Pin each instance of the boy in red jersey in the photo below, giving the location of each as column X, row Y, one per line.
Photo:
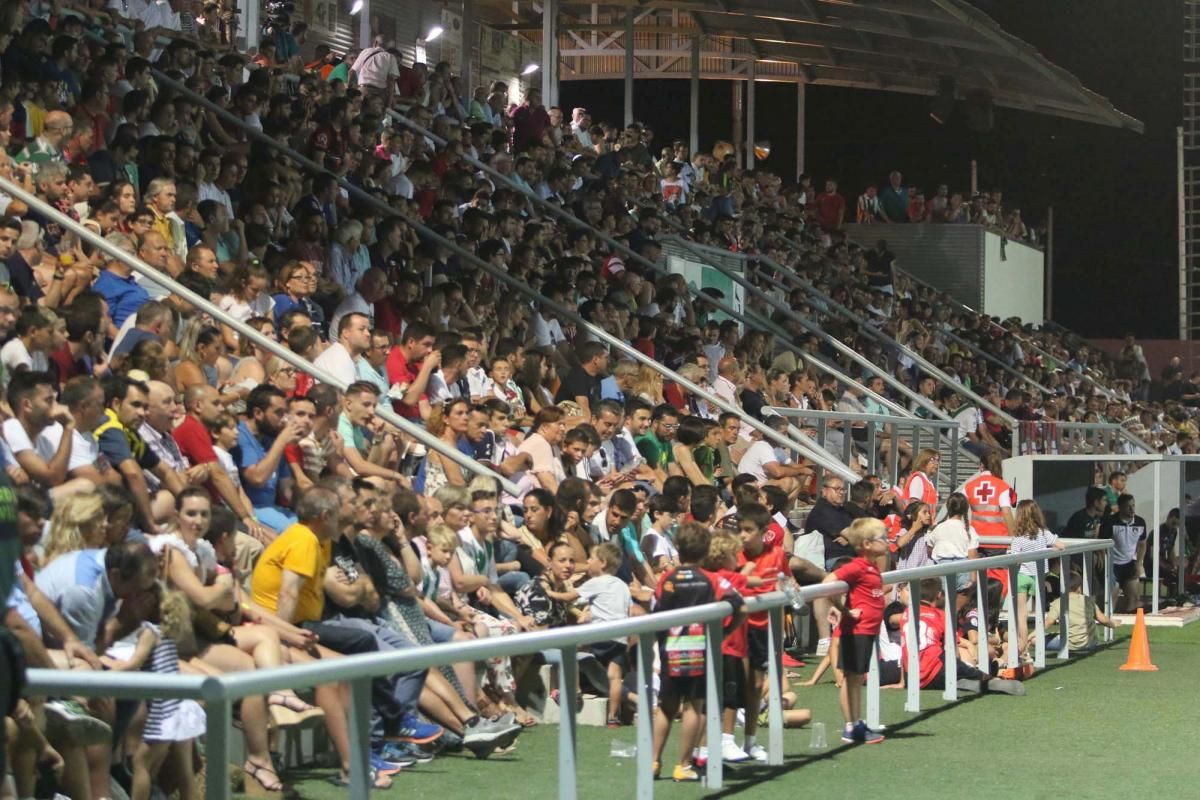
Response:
column 859, row 620
column 723, row 554
column 761, row 566
column 681, row 649
column 931, row 653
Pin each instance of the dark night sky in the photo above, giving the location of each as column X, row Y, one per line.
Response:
column 1113, row 191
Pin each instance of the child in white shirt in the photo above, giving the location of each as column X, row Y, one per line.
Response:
column 607, row 598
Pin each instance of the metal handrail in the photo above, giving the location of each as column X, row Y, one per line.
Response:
column 1026, row 341
column 810, row 452
column 1106, row 432
column 244, row 330
column 892, row 425
column 219, row 692
column 981, row 353
column 808, row 325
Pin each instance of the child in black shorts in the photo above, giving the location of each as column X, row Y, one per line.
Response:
column 859, row 619
column 682, row 648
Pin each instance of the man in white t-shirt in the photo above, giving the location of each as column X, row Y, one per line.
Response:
column 354, row 340
column 41, row 436
column 771, row 464
column 28, row 348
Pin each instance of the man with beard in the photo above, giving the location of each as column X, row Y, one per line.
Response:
column 262, row 438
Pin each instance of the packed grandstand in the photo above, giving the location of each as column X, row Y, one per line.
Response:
column 247, row 515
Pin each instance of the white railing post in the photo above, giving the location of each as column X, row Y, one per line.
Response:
column 714, row 691
column 774, row 687
column 1014, row 648
column 873, row 687
column 645, row 716
column 1064, row 606
column 1156, row 532
column 949, row 593
column 912, row 698
column 360, row 738
column 217, row 749
column 568, row 689
column 1109, row 593
column 1039, row 614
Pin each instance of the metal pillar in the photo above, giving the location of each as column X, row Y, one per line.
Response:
column 1188, row 177
column 694, row 124
column 739, row 130
column 249, row 29
column 364, row 24
column 470, row 38
column 801, row 90
column 629, row 66
column 550, row 52
column 750, row 116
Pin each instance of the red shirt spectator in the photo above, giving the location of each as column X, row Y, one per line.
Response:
column 530, row 122
column 400, row 372
column 866, row 593
column 831, row 207
column 194, row 440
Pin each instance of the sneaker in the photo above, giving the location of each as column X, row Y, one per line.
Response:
column 788, row 661
column 413, row 730
column 383, row 767
column 700, row 757
column 758, row 753
column 70, row 721
column 822, row 647
column 448, row 742
column 861, row 733
column 730, row 752
column 404, row 753
column 682, row 774
column 486, row 731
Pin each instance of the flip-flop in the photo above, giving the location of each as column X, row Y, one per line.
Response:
column 377, row 781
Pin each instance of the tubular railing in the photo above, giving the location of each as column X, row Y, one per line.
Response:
column 991, row 359
column 812, row 453
column 1026, row 342
column 822, row 421
column 713, row 259
column 834, row 307
column 1050, row 437
column 244, row 330
column 221, row 691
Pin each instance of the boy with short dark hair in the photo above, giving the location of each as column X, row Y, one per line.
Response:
column 682, row 648
column 607, row 598
column 859, row 621
column 762, row 566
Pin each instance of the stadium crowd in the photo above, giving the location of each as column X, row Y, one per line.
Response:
column 187, row 501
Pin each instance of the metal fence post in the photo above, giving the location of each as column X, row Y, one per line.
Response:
column 873, row 688
column 568, row 689
column 1064, row 606
column 1109, row 585
column 645, row 716
column 872, row 449
column 949, row 593
column 360, row 738
column 912, row 699
column 1156, row 525
column 1039, row 614
column 217, row 748
column 894, row 468
column 714, row 688
column 774, row 687
column 1013, row 646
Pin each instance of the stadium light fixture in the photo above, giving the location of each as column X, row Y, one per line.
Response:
column 434, row 33
column 530, row 69
column 357, row 7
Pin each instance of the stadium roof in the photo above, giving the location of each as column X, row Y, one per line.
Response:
column 888, row 45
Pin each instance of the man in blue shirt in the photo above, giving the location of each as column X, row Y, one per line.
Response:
column 262, row 439
column 122, row 293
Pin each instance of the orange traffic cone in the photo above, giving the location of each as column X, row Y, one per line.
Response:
column 1139, row 648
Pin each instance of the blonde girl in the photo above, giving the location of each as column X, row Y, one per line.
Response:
column 78, row 523
column 1029, row 534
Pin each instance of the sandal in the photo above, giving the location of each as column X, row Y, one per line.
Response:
column 290, row 701
column 257, row 771
column 342, row 780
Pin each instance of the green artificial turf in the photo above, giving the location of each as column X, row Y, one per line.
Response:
column 1084, row 730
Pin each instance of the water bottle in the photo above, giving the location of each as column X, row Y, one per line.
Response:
column 620, row 749
column 791, row 591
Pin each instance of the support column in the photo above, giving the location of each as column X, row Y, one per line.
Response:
column 694, row 124
column 800, row 100
column 470, row 38
column 738, row 127
column 750, row 116
column 249, row 19
column 364, row 24
column 629, row 65
column 550, row 52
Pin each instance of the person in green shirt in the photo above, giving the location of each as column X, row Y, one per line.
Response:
column 655, row 444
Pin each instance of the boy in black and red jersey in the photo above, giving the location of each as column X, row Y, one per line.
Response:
column 682, row 648
column 859, row 620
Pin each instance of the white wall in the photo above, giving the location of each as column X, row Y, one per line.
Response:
column 1013, row 285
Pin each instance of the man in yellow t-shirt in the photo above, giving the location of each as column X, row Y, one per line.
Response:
column 290, row 576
